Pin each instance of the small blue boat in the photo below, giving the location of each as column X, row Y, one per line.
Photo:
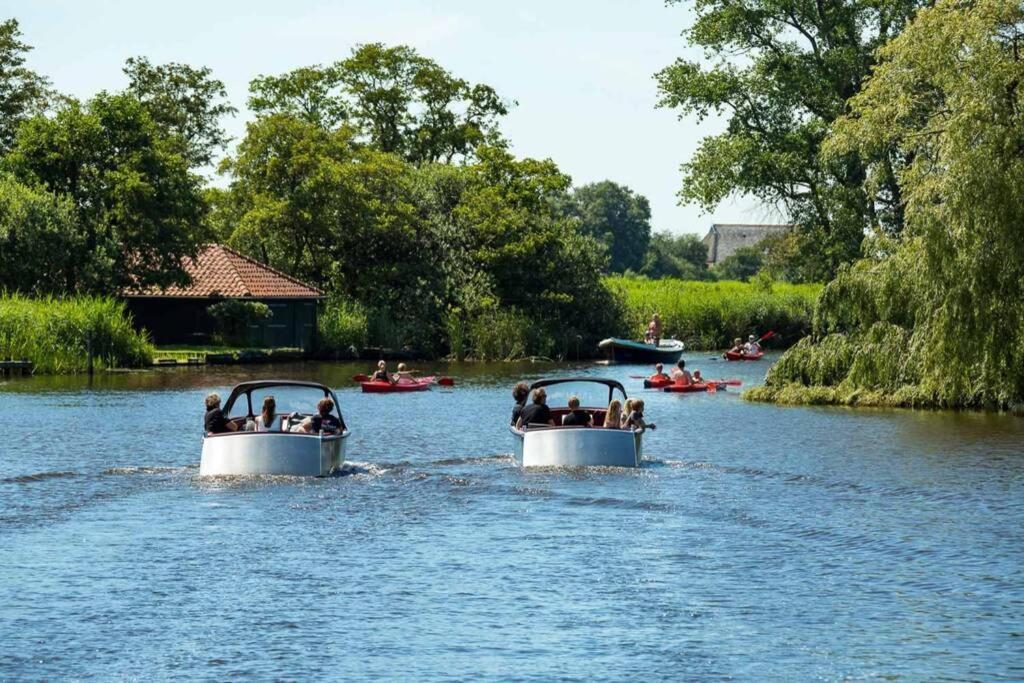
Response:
column 629, row 351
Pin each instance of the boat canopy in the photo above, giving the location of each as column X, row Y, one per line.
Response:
column 610, row 383
column 246, row 388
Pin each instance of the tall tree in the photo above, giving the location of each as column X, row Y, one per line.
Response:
column 397, row 100
column 187, row 101
column 138, row 208
column 616, row 217
column 39, row 240
column 680, row 256
column 23, row 92
column 783, row 70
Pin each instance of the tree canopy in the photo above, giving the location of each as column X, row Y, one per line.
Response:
column 617, row 218
column 23, row 93
column 782, row 71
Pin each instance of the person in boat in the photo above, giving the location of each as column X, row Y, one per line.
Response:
column 653, row 333
column 737, row 346
column 751, row 348
column 697, row 378
column 537, row 412
column 659, row 373
column 626, row 410
column 680, row 374
column 381, row 373
column 635, row 419
column 215, row 422
column 520, row 392
column 403, row 374
column 323, row 421
column 265, row 420
column 613, row 416
column 576, row 417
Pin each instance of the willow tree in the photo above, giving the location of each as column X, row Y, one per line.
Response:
column 937, row 317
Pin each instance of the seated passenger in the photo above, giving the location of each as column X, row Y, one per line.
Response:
column 537, row 412
column 520, row 392
column 680, row 374
column 659, row 372
column 576, row 417
column 697, row 378
column 265, row 420
column 626, row 410
column 215, row 422
column 381, row 374
column 403, row 374
column 613, row 418
column 737, row 346
column 323, row 421
column 752, row 348
column 635, row 419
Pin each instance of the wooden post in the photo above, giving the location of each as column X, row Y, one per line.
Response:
column 88, row 351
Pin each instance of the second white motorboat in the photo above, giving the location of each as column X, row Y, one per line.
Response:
column 574, row 446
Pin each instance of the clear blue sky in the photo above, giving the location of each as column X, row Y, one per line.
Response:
column 581, row 70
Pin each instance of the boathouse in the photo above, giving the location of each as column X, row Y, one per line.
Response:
column 178, row 315
column 725, row 238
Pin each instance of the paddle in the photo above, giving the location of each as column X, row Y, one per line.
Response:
column 360, row 378
column 446, row 382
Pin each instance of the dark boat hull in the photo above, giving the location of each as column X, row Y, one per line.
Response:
column 627, row 351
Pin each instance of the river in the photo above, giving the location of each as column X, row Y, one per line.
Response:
column 757, row 542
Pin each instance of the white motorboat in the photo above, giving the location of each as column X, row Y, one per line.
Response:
column 573, row 446
column 279, row 450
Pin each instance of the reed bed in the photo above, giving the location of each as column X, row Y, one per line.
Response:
column 54, row 333
column 709, row 315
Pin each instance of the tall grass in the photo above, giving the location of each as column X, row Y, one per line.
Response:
column 709, row 315
column 54, row 333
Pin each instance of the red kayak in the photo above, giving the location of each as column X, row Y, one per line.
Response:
column 688, row 388
column 402, row 385
column 655, row 382
column 733, row 355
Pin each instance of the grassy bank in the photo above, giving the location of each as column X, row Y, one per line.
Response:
column 54, row 333
column 709, row 315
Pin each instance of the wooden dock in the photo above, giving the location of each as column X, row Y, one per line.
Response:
column 15, row 367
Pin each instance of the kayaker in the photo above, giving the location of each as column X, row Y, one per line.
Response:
column 635, row 419
column 737, row 346
column 680, row 374
column 537, row 412
column 659, row 374
column 381, row 374
column 520, row 392
column 323, row 421
column 576, row 417
column 697, row 379
column 403, row 374
column 751, row 348
column 214, row 421
column 653, row 333
column 613, row 417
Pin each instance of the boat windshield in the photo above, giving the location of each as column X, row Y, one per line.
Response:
column 288, row 400
column 591, row 394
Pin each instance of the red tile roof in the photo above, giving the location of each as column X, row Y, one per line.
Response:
column 220, row 271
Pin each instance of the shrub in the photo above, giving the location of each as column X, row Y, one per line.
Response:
column 342, row 325
column 233, row 318
column 55, row 333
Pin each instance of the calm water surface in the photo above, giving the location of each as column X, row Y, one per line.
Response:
column 757, row 542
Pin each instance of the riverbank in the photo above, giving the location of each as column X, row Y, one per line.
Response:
column 709, row 315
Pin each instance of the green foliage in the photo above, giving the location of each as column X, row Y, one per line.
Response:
column 937, row 318
column 783, row 72
column 742, row 264
column 396, row 101
column 23, row 93
column 138, row 210
column 617, row 218
column 54, row 333
column 186, row 101
column 710, row 315
column 233, row 317
column 342, row 325
column 38, row 239
column 507, row 334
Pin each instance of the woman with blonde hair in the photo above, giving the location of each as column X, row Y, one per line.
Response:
column 635, row 418
column 626, row 410
column 613, row 418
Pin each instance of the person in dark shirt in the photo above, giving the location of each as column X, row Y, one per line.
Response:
column 520, row 392
column 576, row 417
column 537, row 412
column 381, row 374
column 323, row 421
column 215, row 422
